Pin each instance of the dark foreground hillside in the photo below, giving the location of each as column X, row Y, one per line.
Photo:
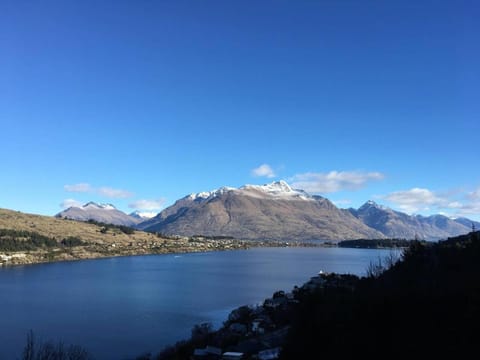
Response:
column 427, row 304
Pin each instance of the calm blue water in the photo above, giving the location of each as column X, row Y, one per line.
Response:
column 119, row 308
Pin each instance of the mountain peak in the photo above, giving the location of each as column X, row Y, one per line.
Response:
column 94, row 205
column 371, row 204
column 280, row 185
column 207, row 194
column 277, row 188
column 91, row 203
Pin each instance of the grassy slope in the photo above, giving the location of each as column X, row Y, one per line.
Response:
column 60, row 228
column 97, row 243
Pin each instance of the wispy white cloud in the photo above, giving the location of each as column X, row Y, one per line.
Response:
column 469, row 210
column 147, row 214
column 470, row 205
column 102, row 191
column 81, row 188
column 114, row 193
column 417, row 200
column 147, row 204
column 264, row 170
column 474, row 195
column 65, row 204
column 334, row 181
column 342, row 202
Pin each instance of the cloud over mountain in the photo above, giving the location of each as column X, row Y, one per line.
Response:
column 334, row 181
column 114, row 193
column 80, row 188
column 105, row 191
column 264, row 170
column 144, row 204
column 455, row 203
column 416, row 199
column 65, row 204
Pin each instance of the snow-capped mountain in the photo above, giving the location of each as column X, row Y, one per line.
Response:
column 279, row 189
column 105, row 213
column 95, row 206
column 272, row 211
column 277, row 211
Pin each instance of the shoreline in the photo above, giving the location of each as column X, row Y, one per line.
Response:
column 162, row 246
column 184, row 245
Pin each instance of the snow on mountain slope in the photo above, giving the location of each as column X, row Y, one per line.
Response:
column 279, row 189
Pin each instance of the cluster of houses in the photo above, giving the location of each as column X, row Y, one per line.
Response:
column 261, row 330
column 214, row 353
column 4, row 259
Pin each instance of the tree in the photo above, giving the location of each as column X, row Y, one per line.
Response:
column 29, row 350
column 201, row 331
column 52, row 351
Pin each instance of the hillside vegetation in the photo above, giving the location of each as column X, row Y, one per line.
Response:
column 426, row 304
column 28, row 239
column 59, row 228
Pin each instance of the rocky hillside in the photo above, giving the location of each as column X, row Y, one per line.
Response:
column 269, row 212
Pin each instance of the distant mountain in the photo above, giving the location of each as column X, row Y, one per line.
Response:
column 396, row 224
column 268, row 212
column 142, row 215
column 468, row 223
column 105, row 213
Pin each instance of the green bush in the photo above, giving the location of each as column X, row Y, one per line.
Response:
column 19, row 240
column 72, row 241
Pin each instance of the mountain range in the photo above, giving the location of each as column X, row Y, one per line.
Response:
column 275, row 211
column 104, row 213
column 395, row 224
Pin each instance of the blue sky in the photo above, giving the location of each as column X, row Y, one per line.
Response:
column 139, row 103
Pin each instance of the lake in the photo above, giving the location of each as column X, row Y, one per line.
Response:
column 119, row 308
